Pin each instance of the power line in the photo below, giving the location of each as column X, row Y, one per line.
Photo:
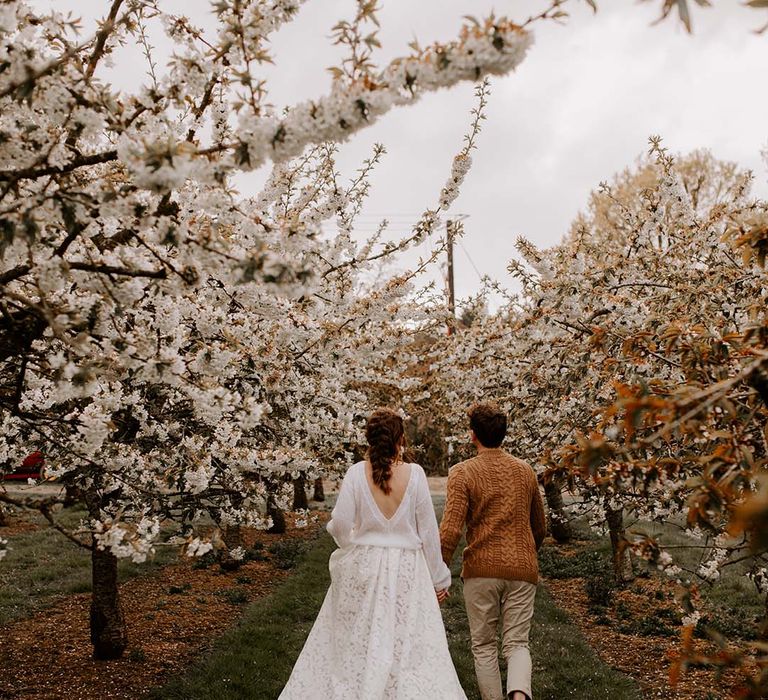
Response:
column 471, row 262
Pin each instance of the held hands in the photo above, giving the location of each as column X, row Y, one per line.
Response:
column 442, row 595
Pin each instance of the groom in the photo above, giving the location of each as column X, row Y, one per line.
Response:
column 497, row 497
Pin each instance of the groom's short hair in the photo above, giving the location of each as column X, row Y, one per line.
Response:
column 488, row 423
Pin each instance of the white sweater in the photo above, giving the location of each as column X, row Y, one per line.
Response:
column 357, row 520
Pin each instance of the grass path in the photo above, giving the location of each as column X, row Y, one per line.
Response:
column 254, row 659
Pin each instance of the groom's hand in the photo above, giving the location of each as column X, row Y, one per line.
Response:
column 443, row 595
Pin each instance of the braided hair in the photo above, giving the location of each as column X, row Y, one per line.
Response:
column 384, row 432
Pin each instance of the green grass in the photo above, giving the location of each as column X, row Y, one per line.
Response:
column 732, row 604
column 42, row 565
column 254, row 659
column 564, row 665
column 737, row 609
column 592, row 559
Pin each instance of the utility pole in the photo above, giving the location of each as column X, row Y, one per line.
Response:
column 453, row 227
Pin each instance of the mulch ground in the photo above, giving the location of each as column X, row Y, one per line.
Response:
column 17, row 525
column 172, row 617
column 647, row 659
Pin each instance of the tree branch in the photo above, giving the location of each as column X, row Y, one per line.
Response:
column 101, row 38
column 112, row 270
column 14, row 273
column 35, row 172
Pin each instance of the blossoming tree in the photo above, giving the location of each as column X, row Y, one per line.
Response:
column 633, row 366
column 176, row 349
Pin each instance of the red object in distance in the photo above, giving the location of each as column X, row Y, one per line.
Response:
column 30, row 468
column 33, row 461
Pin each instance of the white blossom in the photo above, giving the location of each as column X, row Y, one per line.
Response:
column 197, row 548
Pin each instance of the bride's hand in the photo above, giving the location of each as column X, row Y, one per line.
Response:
column 443, row 595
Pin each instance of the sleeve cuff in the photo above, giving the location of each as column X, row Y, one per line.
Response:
column 444, row 581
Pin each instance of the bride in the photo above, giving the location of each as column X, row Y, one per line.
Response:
column 379, row 634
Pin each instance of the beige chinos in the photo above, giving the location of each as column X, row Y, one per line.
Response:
column 489, row 600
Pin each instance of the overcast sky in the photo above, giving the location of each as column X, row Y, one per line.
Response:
column 578, row 109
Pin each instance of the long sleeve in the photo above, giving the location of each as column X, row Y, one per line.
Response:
column 538, row 520
column 344, row 514
column 426, row 525
column 455, row 513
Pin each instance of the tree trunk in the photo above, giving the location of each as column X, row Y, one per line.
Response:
column 108, row 631
column 319, row 491
column 300, row 501
column 622, row 561
column 559, row 526
column 72, row 495
column 233, row 538
column 278, row 519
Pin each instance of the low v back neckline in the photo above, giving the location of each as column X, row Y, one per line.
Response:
column 372, row 498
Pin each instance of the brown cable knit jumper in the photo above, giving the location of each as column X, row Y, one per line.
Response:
column 497, row 496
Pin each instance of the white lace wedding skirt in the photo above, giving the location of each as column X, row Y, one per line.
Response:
column 379, row 634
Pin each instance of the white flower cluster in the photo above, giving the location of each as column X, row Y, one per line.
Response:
column 760, row 579
column 461, row 165
column 249, row 23
column 496, row 50
column 197, row 479
column 691, row 619
column 8, row 17
column 710, row 569
column 666, row 564
column 197, row 547
column 125, row 540
column 238, row 553
column 163, row 165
